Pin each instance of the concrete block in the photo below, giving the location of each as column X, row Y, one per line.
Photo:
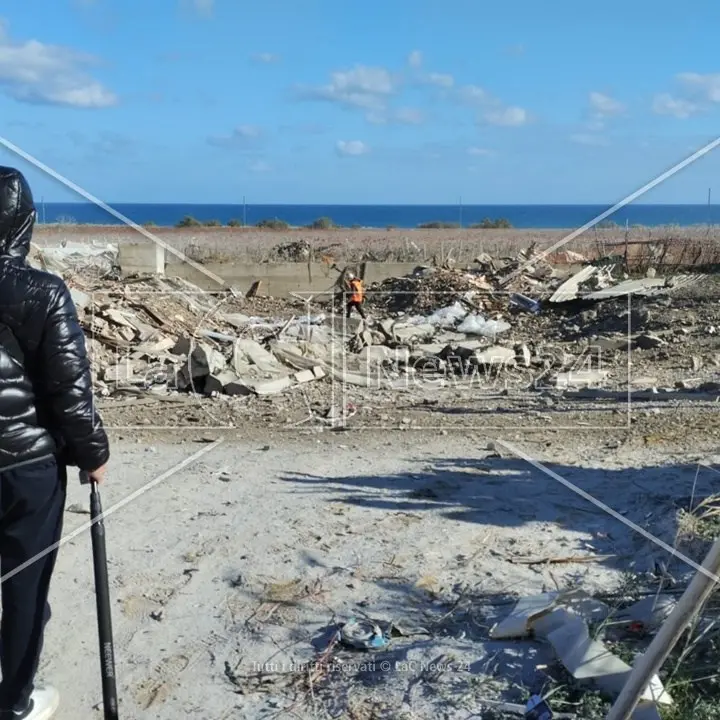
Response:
column 272, row 387
column 495, row 355
column 246, row 350
column 81, row 299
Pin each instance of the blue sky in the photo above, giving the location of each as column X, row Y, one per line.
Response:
column 313, row 101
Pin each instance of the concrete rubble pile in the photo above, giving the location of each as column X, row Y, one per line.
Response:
column 164, row 335
column 554, row 327
column 98, row 259
column 503, row 320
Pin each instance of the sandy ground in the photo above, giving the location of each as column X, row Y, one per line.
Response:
column 244, row 559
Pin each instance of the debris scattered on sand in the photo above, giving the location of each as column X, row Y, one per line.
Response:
column 499, row 325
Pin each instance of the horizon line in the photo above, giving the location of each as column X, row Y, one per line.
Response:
column 459, row 204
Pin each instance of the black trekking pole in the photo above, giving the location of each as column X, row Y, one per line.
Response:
column 102, row 597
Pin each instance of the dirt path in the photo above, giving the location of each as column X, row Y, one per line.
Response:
column 250, row 554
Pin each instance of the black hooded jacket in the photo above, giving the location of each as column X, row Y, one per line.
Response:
column 46, row 399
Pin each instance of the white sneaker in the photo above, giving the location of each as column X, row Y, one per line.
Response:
column 44, row 703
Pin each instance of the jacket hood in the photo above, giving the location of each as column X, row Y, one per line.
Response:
column 17, row 214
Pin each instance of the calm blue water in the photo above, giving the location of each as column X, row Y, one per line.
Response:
column 404, row 216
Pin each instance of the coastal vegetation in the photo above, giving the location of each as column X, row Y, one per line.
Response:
column 327, row 223
column 484, row 224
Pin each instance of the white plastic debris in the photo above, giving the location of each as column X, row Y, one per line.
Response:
column 447, row 317
column 478, row 325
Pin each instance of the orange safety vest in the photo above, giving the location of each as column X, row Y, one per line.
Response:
column 357, row 291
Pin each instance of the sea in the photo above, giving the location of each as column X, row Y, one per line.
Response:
column 382, row 216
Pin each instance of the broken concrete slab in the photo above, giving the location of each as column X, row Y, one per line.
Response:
column 237, row 320
column 158, row 347
column 497, row 355
column 245, row 350
column 405, row 333
column 123, row 372
column 379, row 354
column 270, row 387
column 304, row 376
column 82, row 300
column 643, row 286
column 570, row 289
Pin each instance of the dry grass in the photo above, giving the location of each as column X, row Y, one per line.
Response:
column 658, row 247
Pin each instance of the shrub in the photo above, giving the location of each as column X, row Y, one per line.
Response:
column 188, row 221
column 273, row 224
column 323, row 223
column 212, row 223
column 234, row 223
column 439, row 225
column 149, row 223
column 488, row 224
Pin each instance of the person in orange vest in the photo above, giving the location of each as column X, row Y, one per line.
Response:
column 357, row 295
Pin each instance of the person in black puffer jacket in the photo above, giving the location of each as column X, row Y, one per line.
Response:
column 47, row 422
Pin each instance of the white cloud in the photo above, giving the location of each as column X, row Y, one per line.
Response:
column 605, row 106
column 36, row 72
column 266, row 58
column 507, row 117
column 415, row 59
column 492, row 110
column 362, row 87
column 666, row 104
column 351, row 148
column 473, row 95
column 440, row 80
column 694, row 94
column 706, row 87
column 589, row 139
column 479, row 152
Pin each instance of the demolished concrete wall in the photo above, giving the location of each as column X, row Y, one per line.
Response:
column 277, row 279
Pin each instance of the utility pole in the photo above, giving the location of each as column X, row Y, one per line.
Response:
column 460, row 211
column 709, row 215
